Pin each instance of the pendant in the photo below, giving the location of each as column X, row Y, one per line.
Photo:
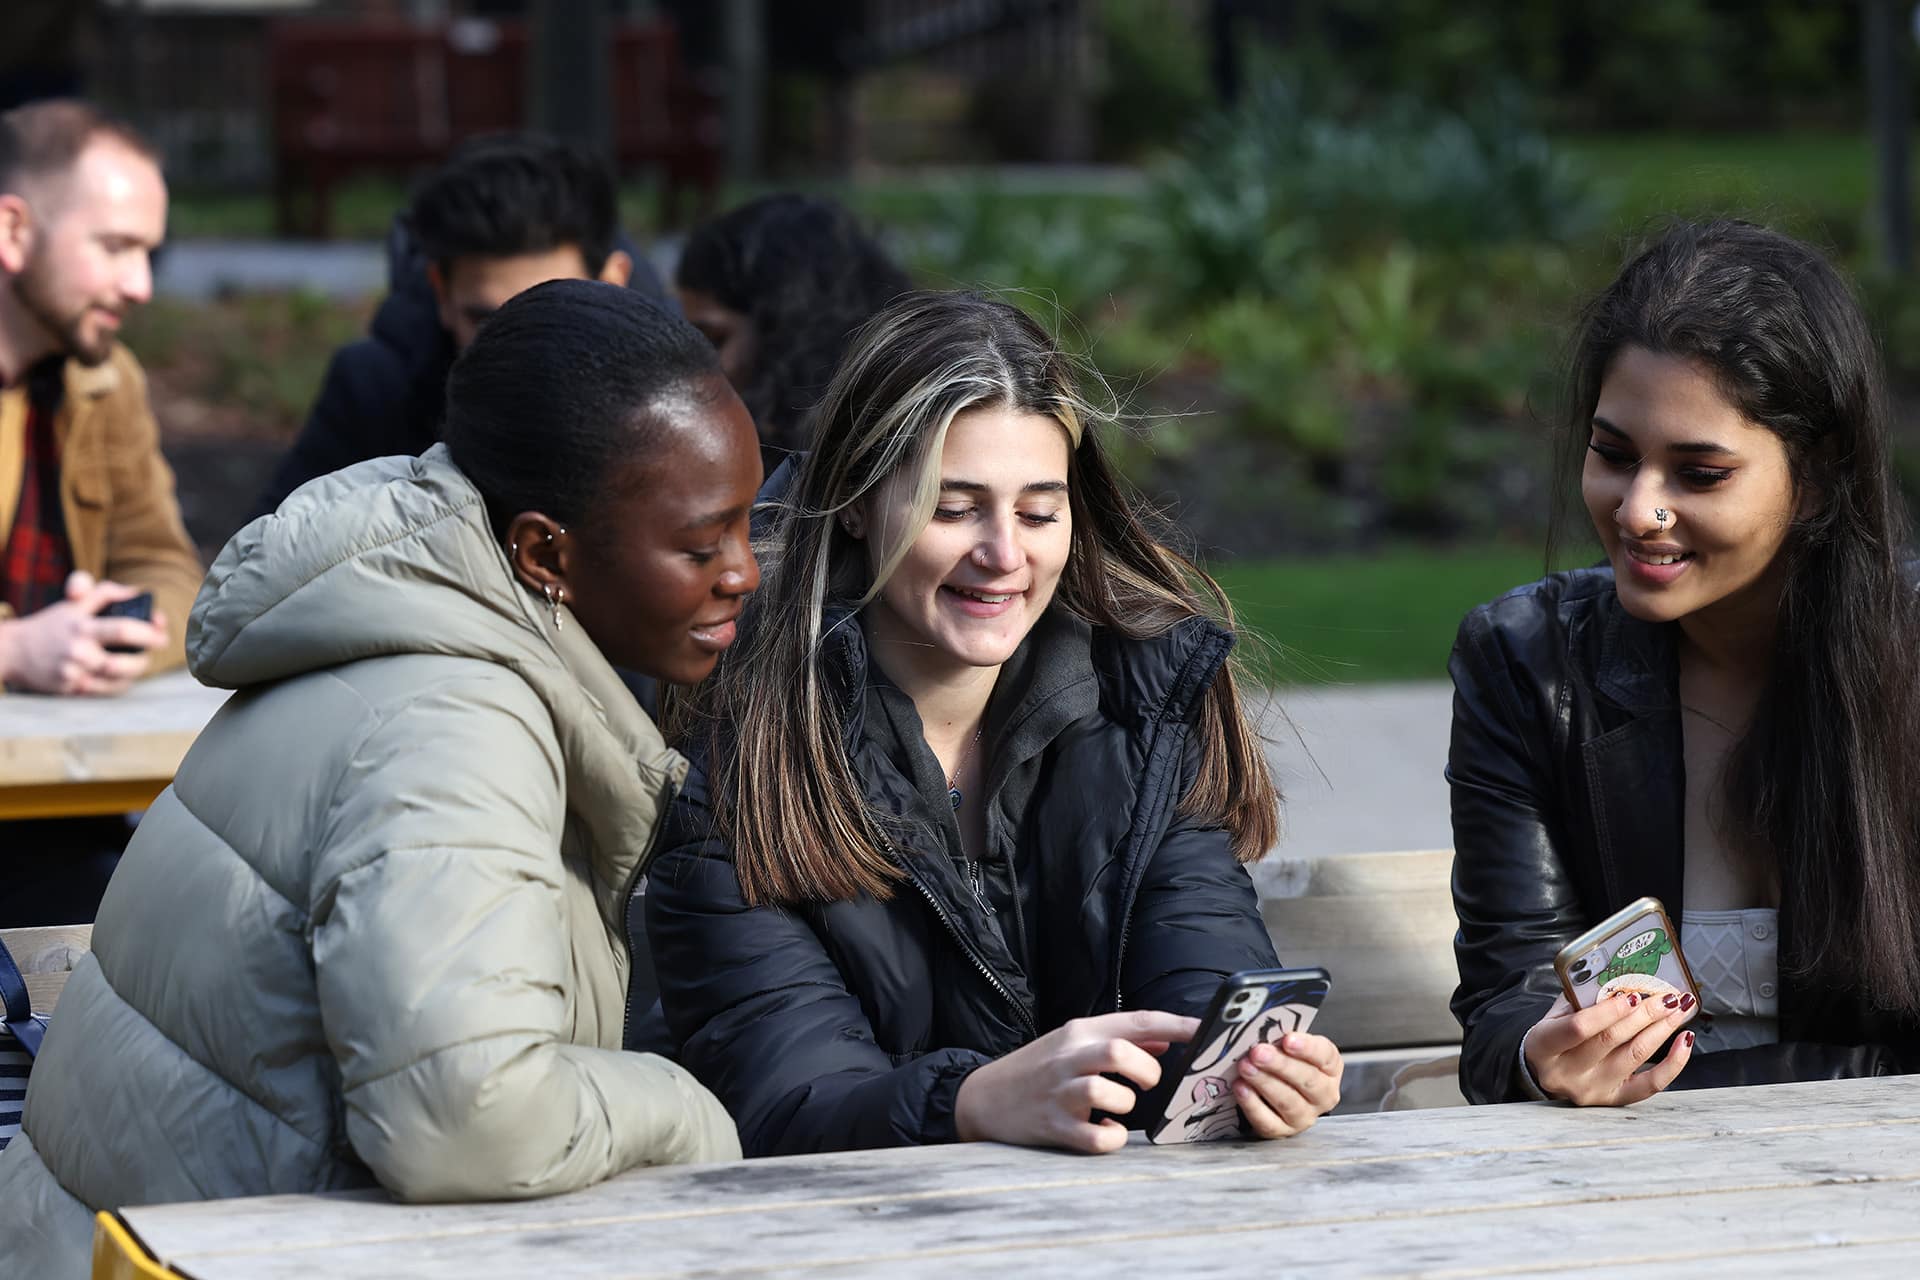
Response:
column 953, row 797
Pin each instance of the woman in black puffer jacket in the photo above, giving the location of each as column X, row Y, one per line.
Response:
column 966, row 848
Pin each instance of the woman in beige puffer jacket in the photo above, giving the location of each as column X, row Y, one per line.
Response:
column 372, row 932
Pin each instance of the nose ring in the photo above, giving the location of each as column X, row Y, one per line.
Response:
column 1660, row 514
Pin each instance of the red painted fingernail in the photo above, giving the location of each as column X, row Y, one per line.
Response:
column 1689, row 1039
column 1633, row 1002
column 1686, row 1002
column 1672, row 1002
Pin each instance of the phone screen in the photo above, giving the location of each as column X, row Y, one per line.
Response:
column 1252, row 1008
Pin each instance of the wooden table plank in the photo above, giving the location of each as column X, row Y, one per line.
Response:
column 1738, row 1173
column 72, row 756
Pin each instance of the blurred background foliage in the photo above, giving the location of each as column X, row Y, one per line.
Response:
column 1334, row 305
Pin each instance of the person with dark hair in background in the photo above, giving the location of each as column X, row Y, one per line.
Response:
column 779, row 285
column 504, row 213
column 1725, row 716
column 367, row 937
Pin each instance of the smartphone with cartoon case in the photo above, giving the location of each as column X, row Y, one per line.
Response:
column 1254, row 1006
column 1635, row 950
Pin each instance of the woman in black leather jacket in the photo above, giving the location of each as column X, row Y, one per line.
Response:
column 1725, row 716
column 962, row 847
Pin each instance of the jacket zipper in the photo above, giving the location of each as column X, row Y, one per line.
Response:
column 667, row 794
column 986, row 970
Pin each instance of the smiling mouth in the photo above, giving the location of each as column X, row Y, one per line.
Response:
column 1658, row 558
column 984, row 597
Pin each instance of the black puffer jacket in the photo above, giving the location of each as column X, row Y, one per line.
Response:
column 852, row 1025
column 1568, row 793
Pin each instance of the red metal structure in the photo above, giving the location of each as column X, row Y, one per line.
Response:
column 353, row 96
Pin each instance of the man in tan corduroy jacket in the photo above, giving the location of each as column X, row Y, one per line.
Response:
column 87, row 509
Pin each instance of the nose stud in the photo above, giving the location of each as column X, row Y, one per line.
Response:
column 1660, row 514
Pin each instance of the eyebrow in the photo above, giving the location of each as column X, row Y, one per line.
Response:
column 719, row 517
column 976, row 486
column 1684, row 446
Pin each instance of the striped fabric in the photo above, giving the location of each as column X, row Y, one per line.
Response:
column 15, row 1062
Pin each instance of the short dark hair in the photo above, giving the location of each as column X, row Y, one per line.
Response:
column 807, row 276
column 509, row 194
column 44, row 139
column 555, row 395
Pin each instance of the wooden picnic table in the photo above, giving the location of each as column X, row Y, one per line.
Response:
column 1787, row 1179
column 67, row 757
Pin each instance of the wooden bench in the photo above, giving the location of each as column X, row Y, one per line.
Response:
column 1382, row 924
column 46, row 956
column 354, row 96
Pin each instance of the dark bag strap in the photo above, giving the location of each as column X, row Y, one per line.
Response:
column 13, row 990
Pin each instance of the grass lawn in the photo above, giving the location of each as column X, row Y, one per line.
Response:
column 1813, row 184
column 1351, row 619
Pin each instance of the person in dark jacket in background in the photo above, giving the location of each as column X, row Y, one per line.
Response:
column 780, row 285
column 966, row 850
column 1725, row 717
column 504, row 213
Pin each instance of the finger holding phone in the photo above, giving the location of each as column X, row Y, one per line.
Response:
column 1283, row 1088
column 1626, row 990
column 1597, row 1057
column 79, row 646
column 1044, row 1094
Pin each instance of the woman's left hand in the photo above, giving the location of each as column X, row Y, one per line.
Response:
column 1284, row 1088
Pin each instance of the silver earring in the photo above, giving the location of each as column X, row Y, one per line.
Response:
column 554, row 600
column 513, row 548
column 1660, row 514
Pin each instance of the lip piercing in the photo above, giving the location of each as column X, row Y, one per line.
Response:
column 1660, row 514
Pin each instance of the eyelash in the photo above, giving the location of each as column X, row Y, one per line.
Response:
column 953, row 514
column 1699, row 477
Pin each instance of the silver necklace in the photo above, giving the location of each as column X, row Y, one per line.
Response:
column 953, row 779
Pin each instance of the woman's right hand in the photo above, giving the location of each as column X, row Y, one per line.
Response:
column 1593, row 1057
column 1044, row 1094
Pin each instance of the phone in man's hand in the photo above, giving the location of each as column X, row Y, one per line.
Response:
column 1254, row 1006
column 139, row 608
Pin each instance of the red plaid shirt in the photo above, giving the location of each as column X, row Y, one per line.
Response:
column 38, row 558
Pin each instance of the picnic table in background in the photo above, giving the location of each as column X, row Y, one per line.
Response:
column 353, row 95
column 70, row 757
column 1786, row 1179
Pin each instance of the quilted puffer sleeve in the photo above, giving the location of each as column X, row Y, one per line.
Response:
column 442, row 961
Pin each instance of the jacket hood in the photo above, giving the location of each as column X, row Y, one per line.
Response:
column 387, row 557
column 395, row 556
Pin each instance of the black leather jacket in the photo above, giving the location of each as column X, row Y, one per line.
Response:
column 1568, row 789
column 852, row 1025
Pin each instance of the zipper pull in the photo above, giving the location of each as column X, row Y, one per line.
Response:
column 975, row 883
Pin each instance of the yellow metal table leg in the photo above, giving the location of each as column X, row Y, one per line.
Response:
column 117, row 1255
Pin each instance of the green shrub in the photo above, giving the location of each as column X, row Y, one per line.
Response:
column 1280, row 176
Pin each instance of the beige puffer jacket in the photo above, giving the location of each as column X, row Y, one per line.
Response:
column 372, row 932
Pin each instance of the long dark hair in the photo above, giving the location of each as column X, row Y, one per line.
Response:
column 806, row 276
column 1826, row 780
column 785, row 793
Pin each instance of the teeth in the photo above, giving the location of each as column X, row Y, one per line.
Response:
column 1644, row 558
column 984, row 598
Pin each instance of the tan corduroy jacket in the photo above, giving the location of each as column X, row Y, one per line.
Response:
column 115, row 489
